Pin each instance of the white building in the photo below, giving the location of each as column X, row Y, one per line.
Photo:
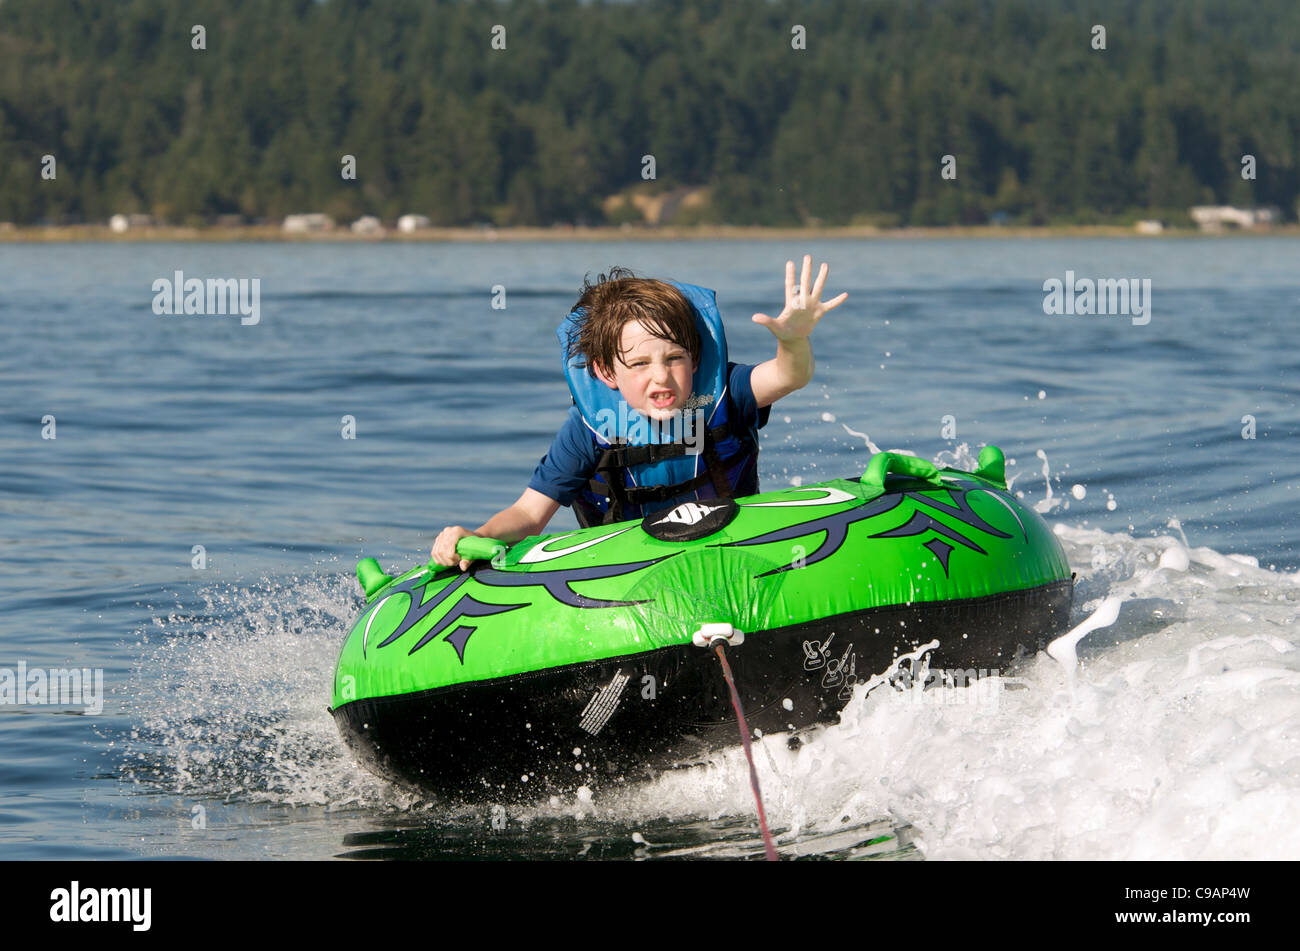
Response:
column 1215, row 217
column 408, row 224
column 121, row 223
column 315, row 221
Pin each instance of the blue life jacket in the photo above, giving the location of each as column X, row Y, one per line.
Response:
column 645, row 466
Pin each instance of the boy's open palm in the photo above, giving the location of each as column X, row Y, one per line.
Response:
column 803, row 305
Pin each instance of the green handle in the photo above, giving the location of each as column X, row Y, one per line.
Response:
column 473, row 546
column 992, row 466
column 371, row 576
column 883, row 462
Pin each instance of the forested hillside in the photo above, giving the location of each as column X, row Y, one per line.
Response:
column 1042, row 126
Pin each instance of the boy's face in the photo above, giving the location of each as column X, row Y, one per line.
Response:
column 653, row 374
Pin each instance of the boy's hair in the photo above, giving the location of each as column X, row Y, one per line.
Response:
column 619, row 297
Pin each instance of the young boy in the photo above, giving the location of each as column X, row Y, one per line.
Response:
column 639, row 338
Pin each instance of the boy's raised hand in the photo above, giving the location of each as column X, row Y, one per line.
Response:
column 803, row 305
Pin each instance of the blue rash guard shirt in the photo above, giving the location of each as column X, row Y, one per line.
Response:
column 571, row 461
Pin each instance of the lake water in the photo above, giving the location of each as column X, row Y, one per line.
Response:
column 1178, row 738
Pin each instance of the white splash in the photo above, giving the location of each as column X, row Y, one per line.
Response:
column 1178, row 737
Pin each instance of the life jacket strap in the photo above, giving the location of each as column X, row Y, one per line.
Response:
column 621, row 495
column 642, row 494
column 717, row 469
column 624, row 456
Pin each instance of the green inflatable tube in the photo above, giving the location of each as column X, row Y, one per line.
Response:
column 486, row 682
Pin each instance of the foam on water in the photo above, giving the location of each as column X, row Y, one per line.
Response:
column 231, row 704
column 1178, row 736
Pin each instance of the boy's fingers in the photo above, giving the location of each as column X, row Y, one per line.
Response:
column 789, row 281
column 806, row 276
column 820, row 282
column 835, row 302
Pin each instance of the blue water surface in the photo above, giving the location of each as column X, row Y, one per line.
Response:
column 181, row 431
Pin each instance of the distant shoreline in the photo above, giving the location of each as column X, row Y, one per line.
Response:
column 60, row 234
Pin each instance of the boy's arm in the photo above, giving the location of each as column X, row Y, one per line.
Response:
column 528, row 516
column 792, row 367
column 566, row 466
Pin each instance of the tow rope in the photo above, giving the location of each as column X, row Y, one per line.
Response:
column 718, row 636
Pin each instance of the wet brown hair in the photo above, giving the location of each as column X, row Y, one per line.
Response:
column 618, row 298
